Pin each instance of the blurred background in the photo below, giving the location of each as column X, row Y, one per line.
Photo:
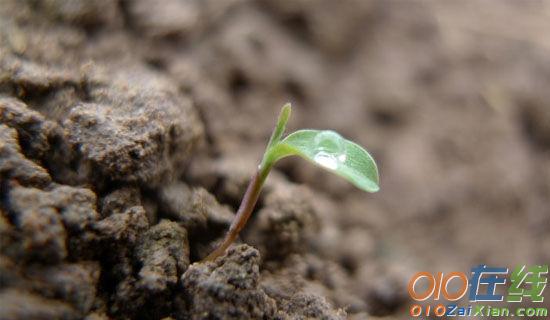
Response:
column 450, row 97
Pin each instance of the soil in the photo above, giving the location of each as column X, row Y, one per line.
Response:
column 129, row 130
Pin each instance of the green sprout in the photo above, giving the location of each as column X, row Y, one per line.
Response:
column 324, row 148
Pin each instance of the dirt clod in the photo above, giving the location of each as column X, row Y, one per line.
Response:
column 163, row 252
column 228, row 287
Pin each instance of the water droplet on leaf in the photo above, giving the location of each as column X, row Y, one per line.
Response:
column 342, row 157
column 330, row 149
column 329, row 141
column 326, row 160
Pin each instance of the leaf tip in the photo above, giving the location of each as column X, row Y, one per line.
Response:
column 284, row 115
column 286, row 110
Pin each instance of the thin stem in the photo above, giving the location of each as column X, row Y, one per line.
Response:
column 254, row 186
column 245, row 210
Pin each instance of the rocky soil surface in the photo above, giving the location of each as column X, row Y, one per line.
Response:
column 129, row 129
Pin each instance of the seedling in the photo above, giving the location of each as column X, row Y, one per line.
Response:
column 324, row 148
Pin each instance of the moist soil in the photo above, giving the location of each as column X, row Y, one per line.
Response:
column 129, row 130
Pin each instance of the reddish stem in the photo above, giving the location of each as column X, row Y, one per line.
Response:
column 245, row 210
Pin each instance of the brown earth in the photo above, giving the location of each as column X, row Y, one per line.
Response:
column 129, row 130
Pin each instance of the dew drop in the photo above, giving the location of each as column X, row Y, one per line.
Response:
column 342, row 157
column 330, row 141
column 326, row 160
column 330, row 150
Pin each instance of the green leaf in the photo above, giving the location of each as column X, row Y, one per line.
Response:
column 280, row 126
column 332, row 152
